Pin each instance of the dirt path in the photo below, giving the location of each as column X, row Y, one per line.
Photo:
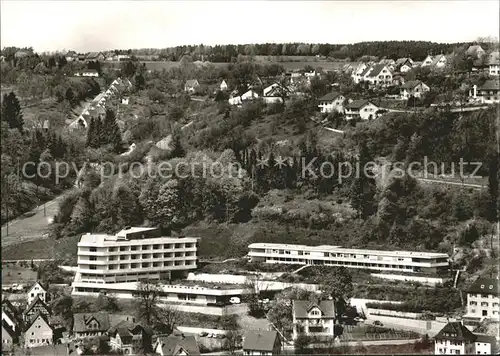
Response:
column 30, row 228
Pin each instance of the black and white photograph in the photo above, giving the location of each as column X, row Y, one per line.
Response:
column 250, row 177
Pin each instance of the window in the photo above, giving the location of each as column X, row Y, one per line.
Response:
column 92, row 267
column 93, row 249
column 133, row 248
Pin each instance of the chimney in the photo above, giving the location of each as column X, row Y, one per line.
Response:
column 93, row 238
column 474, row 91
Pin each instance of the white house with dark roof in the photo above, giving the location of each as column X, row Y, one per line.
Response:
column 38, row 290
column 331, row 102
column 493, row 63
column 362, row 109
column 440, row 61
column 475, row 51
column 191, row 85
column 487, row 93
column 223, row 85
column 313, row 318
column 379, row 74
column 414, row 88
column 482, row 299
column 38, row 332
column 427, row 61
column 88, row 325
column 261, row 343
column 403, row 65
column 176, row 344
column 456, row 339
column 357, row 73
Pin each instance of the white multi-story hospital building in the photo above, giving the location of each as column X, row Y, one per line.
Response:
column 403, row 261
column 131, row 255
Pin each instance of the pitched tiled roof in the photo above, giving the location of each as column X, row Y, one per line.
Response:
column 376, row 69
column 172, row 344
column 7, row 305
column 329, row 97
column 8, row 329
column 40, row 284
column 484, row 285
column 411, row 84
column 81, row 321
column 191, row 82
column 493, row 58
column 36, row 301
column 302, row 307
column 38, row 315
column 485, row 338
column 93, row 55
column 472, row 50
column 260, row 340
column 365, row 71
column 455, row 331
column 358, row 104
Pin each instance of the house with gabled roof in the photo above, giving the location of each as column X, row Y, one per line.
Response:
column 11, row 319
column 483, row 299
column 440, row 61
column 128, row 337
column 379, row 75
column 403, row 65
column 88, row 325
column 37, row 306
column 414, row 88
column 475, row 52
column 38, row 289
column 261, row 343
column 95, row 56
column 191, row 85
column 223, row 85
column 331, row 102
column 313, row 318
column 275, row 93
column 38, row 332
column 427, row 61
column 176, row 344
column 71, row 56
column 66, row 349
column 487, row 93
column 456, row 338
column 9, row 337
column 359, row 72
column 361, row 109
column 493, row 63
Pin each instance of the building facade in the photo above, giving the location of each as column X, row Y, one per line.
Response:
column 361, row 109
column 331, row 102
column 482, row 299
column 414, row 88
column 132, row 255
column 313, row 318
column 39, row 332
column 261, row 343
column 37, row 290
column 456, row 339
column 404, row 261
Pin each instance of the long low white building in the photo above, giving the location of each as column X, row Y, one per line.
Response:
column 403, row 261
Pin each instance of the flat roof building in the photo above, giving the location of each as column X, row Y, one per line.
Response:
column 133, row 254
column 404, row 261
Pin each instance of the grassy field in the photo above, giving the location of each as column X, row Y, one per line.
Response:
column 17, row 274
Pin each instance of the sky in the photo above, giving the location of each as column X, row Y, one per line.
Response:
column 103, row 25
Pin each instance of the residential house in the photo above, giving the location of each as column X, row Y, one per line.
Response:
column 9, row 337
column 485, row 345
column 38, row 289
column 39, row 332
column 313, row 318
column 414, row 88
column 358, row 73
column 331, row 102
column 378, row 74
column 403, row 65
column 456, row 339
column 261, row 343
column 11, row 320
column 37, row 306
column 475, row 52
column 71, row 56
column 123, row 57
column 488, row 93
column 191, row 85
column 247, row 96
column 390, row 63
column 223, row 86
column 89, row 73
column 439, row 62
column 82, row 57
column 363, row 109
column 95, row 56
column 275, row 93
column 427, row 61
column 88, row 325
column 21, row 54
column 10, row 315
column 493, row 63
column 176, row 345
column 482, row 299
column 128, row 337
column 125, row 100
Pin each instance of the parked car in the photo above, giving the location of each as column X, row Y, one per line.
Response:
column 221, row 336
column 377, row 323
column 203, row 334
column 235, row 300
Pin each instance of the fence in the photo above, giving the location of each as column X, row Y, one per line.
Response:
column 398, row 277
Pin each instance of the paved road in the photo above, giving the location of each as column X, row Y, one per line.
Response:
column 469, row 185
column 30, row 228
